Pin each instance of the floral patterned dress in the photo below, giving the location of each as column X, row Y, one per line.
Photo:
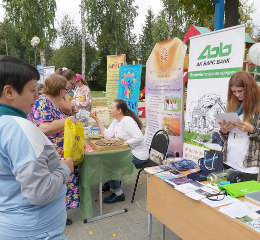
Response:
column 82, row 99
column 44, row 111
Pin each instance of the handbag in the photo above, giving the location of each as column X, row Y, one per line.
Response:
column 212, row 161
column 74, row 140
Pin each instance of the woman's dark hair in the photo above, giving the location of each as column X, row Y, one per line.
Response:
column 67, row 73
column 16, row 73
column 251, row 100
column 121, row 104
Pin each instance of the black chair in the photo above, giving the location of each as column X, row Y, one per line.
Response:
column 160, row 144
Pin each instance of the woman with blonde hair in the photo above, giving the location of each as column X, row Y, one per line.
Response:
column 47, row 115
column 242, row 138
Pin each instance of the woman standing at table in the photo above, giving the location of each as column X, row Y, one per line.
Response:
column 71, row 83
column 126, row 126
column 46, row 114
column 242, row 138
column 82, row 98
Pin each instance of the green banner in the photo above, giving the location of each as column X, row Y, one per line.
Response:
column 216, row 73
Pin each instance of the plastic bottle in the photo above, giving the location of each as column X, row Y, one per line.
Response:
column 216, row 177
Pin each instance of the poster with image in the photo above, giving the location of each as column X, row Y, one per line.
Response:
column 164, row 93
column 129, row 82
column 213, row 58
column 113, row 65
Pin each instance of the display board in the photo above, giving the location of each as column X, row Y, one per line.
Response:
column 213, row 58
column 113, row 64
column 129, row 85
column 164, row 93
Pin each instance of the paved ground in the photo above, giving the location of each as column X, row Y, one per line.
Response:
column 127, row 226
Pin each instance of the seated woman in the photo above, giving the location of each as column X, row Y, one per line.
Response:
column 46, row 114
column 126, row 126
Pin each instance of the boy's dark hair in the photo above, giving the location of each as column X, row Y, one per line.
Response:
column 16, row 73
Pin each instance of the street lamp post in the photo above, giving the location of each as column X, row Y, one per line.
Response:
column 35, row 42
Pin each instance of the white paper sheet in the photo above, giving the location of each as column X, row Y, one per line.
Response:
column 239, row 209
column 230, row 116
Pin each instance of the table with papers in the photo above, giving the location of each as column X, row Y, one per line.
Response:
column 192, row 219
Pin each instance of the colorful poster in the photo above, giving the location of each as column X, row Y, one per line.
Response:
column 164, row 93
column 129, row 85
column 113, row 64
column 214, row 57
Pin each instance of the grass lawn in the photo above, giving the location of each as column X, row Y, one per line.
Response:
column 96, row 94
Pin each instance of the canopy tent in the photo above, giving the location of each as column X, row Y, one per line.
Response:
column 194, row 31
column 249, row 39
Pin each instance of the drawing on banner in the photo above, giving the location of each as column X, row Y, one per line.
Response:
column 201, row 114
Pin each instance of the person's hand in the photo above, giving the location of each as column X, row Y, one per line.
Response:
column 244, row 126
column 225, row 127
column 73, row 119
column 93, row 114
column 68, row 162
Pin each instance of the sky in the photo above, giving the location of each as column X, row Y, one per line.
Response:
column 72, row 9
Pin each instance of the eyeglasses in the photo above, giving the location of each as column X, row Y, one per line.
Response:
column 73, row 84
column 216, row 196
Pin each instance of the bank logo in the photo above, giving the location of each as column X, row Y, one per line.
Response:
column 213, row 52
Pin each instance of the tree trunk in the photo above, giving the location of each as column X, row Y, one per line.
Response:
column 6, row 46
column 42, row 57
column 83, row 39
column 231, row 13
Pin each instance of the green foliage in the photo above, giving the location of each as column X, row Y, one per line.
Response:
column 160, row 29
column 34, row 17
column 146, row 41
column 245, row 11
column 110, row 23
column 69, row 54
column 10, row 42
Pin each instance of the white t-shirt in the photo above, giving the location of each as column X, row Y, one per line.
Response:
column 128, row 130
column 237, row 147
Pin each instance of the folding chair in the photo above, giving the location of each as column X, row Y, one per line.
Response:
column 159, row 144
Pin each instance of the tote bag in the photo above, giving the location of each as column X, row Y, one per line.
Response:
column 74, row 141
column 212, row 161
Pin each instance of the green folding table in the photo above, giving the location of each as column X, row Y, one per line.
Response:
column 100, row 167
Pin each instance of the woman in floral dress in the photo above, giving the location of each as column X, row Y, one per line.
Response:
column 47, row 115
column 82, row 98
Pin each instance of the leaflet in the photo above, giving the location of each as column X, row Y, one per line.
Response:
column 228, row 117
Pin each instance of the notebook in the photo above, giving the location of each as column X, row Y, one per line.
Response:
column 254, row 196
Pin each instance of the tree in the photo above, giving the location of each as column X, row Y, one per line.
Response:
column 71, row 48
column 146, row 42
column 231, row 13
column 245, row 11
column 110, row 23
column 35, row 17
column 10, row 42
column 160, row 29
column 83, row 38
